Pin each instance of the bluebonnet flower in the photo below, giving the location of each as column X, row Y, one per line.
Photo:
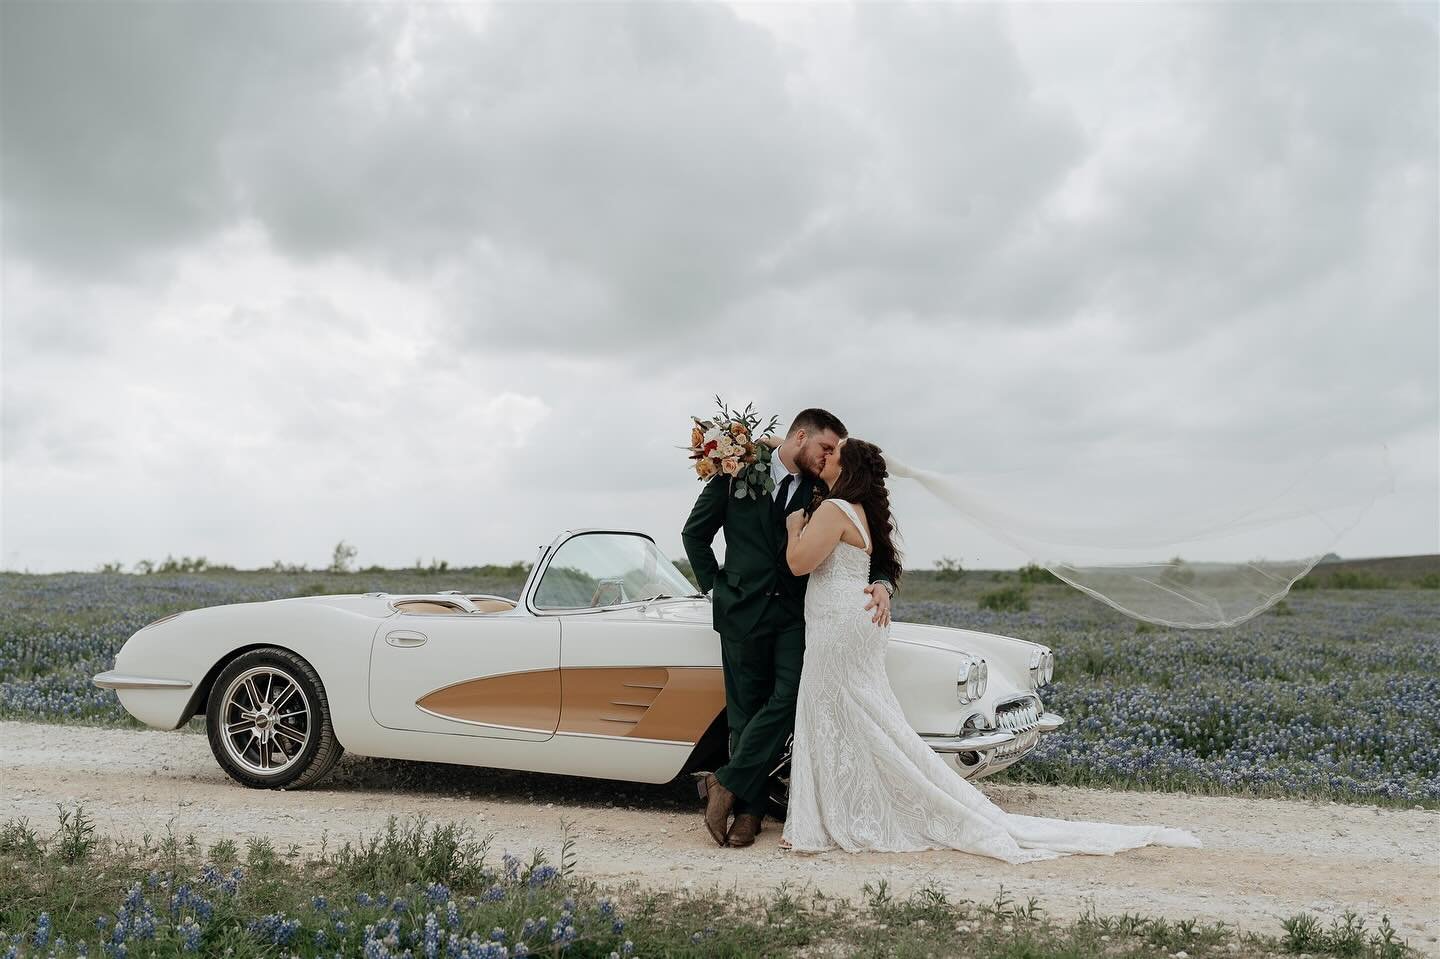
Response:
column 189, row 932
column 274, row 928
column 432, row 936
column 41, row 939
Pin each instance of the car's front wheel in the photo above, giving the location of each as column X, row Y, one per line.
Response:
column 268, row 721
column 777, row 793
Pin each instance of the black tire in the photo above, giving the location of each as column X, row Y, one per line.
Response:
column 291, row 741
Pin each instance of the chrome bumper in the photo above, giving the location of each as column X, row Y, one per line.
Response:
column 119, row 680
column 994, row 748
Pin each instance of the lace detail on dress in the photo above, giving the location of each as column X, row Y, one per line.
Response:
column 862, row 779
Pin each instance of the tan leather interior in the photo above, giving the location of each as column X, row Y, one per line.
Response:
column 426, row 606
column 431, row 606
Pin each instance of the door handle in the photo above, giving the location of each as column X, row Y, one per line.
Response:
column 405, row 637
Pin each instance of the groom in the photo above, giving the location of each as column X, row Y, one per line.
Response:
column 759, row 610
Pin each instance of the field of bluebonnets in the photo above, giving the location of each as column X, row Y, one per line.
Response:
column 1331, row 695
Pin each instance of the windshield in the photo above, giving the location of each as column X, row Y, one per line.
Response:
column 608, row 569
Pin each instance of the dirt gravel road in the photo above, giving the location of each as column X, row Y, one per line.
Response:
column 1263, row 859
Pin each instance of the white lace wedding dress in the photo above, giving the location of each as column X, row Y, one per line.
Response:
column 862, row 779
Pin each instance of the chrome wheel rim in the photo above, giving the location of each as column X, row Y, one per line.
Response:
column 779, row 780
column 265, row 718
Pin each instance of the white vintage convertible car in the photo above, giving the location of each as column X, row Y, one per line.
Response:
column 606, row 666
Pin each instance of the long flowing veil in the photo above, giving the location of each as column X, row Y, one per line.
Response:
column 1138, row 564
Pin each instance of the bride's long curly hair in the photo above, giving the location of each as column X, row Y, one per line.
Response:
column 862, row 480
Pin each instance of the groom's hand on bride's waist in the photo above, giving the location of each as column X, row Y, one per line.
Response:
column 879, row 592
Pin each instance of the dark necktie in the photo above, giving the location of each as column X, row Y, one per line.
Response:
column 783, row 496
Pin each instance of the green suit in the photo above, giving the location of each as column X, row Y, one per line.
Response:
column 759, row 612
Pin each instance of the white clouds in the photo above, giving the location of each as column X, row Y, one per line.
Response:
column 302, row 265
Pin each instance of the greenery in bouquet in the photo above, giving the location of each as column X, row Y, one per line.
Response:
column 728, row 445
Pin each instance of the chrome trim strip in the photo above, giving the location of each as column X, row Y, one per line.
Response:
column 1049, row 722
column 537, row 573
column 471, row 722
column 975, row 742
column 117, row 680
column 628, row 739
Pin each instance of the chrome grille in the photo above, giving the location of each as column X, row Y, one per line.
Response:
column 1021, row 717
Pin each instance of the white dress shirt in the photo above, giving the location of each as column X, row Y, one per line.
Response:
column 778, row 472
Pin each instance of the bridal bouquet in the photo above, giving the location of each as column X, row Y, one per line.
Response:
column 726, row 444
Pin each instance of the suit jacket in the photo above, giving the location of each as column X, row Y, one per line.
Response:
column 755, row 565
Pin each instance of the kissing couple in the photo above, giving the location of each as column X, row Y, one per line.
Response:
column 802, row 606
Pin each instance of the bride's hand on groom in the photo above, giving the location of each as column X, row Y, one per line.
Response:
column 880, row 602
column 795, row 522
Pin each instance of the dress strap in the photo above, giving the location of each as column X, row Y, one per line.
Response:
column 854, row 518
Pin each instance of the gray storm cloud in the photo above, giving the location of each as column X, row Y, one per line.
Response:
column 249, row 249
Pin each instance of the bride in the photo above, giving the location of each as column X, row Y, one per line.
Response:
column 861, row 778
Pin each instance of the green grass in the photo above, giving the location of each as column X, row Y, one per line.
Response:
column 58, row 886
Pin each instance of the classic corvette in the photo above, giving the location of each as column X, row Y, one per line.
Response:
column 605, row 666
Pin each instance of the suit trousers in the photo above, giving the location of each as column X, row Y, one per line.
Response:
column 762, row 681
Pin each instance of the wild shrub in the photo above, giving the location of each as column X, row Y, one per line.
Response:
column 1357, row 579
column 1006, row 599
column 1038, row 575
column 342, row 560
column 949, row 570
column 413, row 851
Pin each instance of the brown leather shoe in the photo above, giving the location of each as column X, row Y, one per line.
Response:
column 747, row 827
column 718, row 803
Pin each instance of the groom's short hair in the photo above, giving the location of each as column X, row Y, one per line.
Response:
column 815, row 420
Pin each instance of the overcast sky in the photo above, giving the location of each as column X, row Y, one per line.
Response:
column 442, row 280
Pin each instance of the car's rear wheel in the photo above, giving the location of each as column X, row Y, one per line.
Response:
column 268, row 721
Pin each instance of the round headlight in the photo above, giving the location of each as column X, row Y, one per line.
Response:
column 970, row 681
column 984, row 679
column 1049, row 666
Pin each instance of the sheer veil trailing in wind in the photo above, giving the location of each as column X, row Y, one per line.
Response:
column 1138, row 565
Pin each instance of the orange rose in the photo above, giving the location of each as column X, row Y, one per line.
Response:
column 730, row 466
column 705, row 468
column 737, row 429
column 697, row 435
